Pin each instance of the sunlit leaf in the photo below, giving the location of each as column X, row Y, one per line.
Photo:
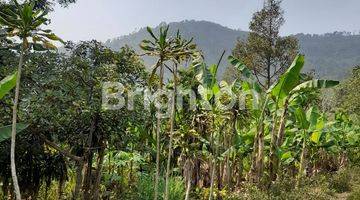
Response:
column 289, row 80
column 7, row 84
column 315, row 137
column 5, row 132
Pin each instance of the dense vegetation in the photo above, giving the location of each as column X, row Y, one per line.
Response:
column 83, row 131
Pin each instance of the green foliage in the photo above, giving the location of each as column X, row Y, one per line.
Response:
column 347, row 96
column 145, row 189
column 7, row 84
column 25, row 22
column 5, row 132
column 289, row 80
column 214, row 147
column 266, row 53
column 314, row 84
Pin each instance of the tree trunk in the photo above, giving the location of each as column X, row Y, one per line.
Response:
column 88, row 176
column 96, row 186
column 172, row 121
column 188, row 177
column 61, row 189
column 228, row 171
column 13, row 127
column 219, row 179
column 268, row 73
column 79, row 178
column 213, row 165
column 89, row 160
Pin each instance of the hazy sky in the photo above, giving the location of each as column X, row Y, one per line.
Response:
column 105, row 19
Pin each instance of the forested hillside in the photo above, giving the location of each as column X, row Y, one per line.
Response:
column 331, row 55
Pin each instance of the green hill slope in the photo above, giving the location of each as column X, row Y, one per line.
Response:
column 329, row 55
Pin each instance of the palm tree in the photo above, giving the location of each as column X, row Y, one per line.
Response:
column 24, row 22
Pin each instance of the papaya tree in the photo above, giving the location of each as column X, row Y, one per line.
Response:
column 24, row 22
column 159, row 47
column 182, row 50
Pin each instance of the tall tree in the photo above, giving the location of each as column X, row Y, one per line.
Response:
column 265, row 51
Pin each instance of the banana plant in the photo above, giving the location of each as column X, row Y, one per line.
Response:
column 209, row 89
column 310, row 126
column 283, row 92
column 341, row 134
column 25, row 23
column 249, row 85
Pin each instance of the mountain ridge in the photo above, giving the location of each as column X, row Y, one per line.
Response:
column 330, row 55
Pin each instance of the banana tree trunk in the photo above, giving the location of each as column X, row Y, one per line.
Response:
column 302, row 168
column 260, row 158
column 172, row 121
column 212, row 179
column 279, row 140
column 281, row 133
column 213, row 166
column 256, row 169
column 157, row 172
column 253, row 168
column 240, row 169
column 217, row 144
column 13, row 127
column 273, row 148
